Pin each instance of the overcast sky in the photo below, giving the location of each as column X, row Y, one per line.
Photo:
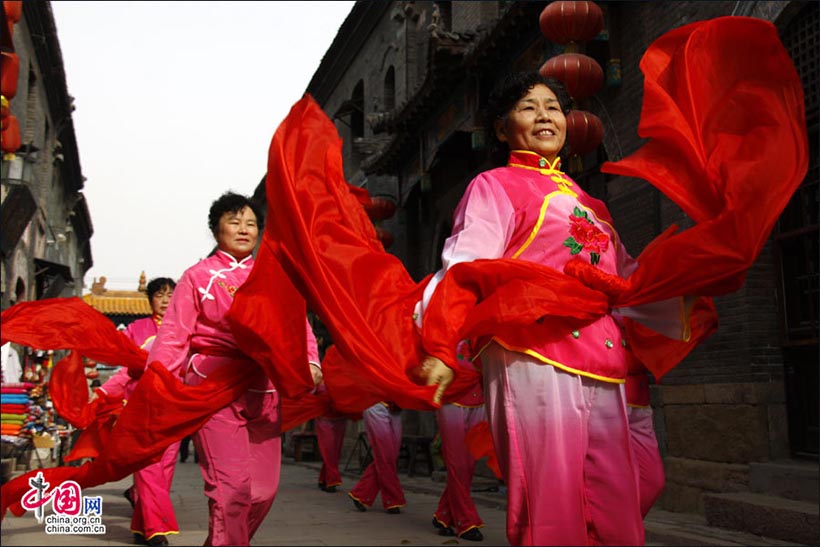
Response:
column 176, row 102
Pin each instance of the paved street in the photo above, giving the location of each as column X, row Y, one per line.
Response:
column 304, row 515
column 301, row 515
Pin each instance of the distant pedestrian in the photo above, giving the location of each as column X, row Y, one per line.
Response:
column 153, row 518
column 382, row 423
column 330, row 435
column 644, row 442
column 456, row 514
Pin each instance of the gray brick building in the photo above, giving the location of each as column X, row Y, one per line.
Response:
column 46, row 226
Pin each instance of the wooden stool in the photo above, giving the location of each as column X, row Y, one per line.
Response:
column 304, row 442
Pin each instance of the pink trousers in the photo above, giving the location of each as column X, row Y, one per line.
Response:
column 240, row 453
column 330, row 433
column 153, row 511
column 456, row 507
column 651, row 476
column 382, row 475
column 563, row 445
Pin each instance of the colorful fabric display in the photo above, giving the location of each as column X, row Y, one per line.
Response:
column 13, row 408
column 23, row 385
column 13, row 390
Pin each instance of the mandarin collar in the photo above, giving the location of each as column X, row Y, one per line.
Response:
column 231, row 259
column 531, row 160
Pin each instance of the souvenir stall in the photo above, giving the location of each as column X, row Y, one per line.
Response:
column 31, row 437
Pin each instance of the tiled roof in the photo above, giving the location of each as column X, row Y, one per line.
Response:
column 119, row 305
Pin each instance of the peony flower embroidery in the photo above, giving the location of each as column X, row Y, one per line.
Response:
column 230, row 288
column 585, row 235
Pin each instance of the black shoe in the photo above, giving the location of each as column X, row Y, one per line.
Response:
column 443, row 530
column 127, row 495
column 394, row 510
column 473, row 534
column 322, row 486
column 359, row 505
column 329, row 489
column 157, row 540
column 138, row 539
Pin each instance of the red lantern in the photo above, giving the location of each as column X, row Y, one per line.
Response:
column 582, row 74
column 13, row 9
column 584, row 132
column 380, row 208
column 91, row 374
column 384, row 236
column 565, row 22
column 9, row 70
column 10, row 136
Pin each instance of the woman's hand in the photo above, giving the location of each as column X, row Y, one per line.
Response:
column 316, row 373
column 433, row 371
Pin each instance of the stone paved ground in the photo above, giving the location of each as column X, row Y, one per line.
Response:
column 304, row 515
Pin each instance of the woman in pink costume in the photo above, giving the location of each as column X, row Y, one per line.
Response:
column 382, row 423
column 239, row 447
column 153, row 518
column 651, row 476
column 330, row 434
column 456, row 513
column 556, row 405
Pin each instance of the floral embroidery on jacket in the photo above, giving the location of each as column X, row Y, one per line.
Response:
column 585, row 235
column 230, row 288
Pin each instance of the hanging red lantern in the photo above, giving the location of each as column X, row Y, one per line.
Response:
column 384, row 236
column 566, row 22
column 582, row 74
column 584, row 132
column 13, row 9
column 90, row 363
column 91, row 374
column 10, row 135
column 380, row 208
column 9, row 71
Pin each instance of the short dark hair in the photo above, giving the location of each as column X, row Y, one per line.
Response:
column 510, row 89
column 157, row 284
column 233, row 203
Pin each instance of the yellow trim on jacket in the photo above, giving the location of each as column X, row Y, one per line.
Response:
column 549, row 361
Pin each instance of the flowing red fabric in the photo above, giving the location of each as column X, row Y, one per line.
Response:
column 708, row 107
column 94, row 437
column 68, row 389
column 479, row 442
column 70, row 324
column 318, row 232
column 160, row 411
column 268, row 300
column 723, row 107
